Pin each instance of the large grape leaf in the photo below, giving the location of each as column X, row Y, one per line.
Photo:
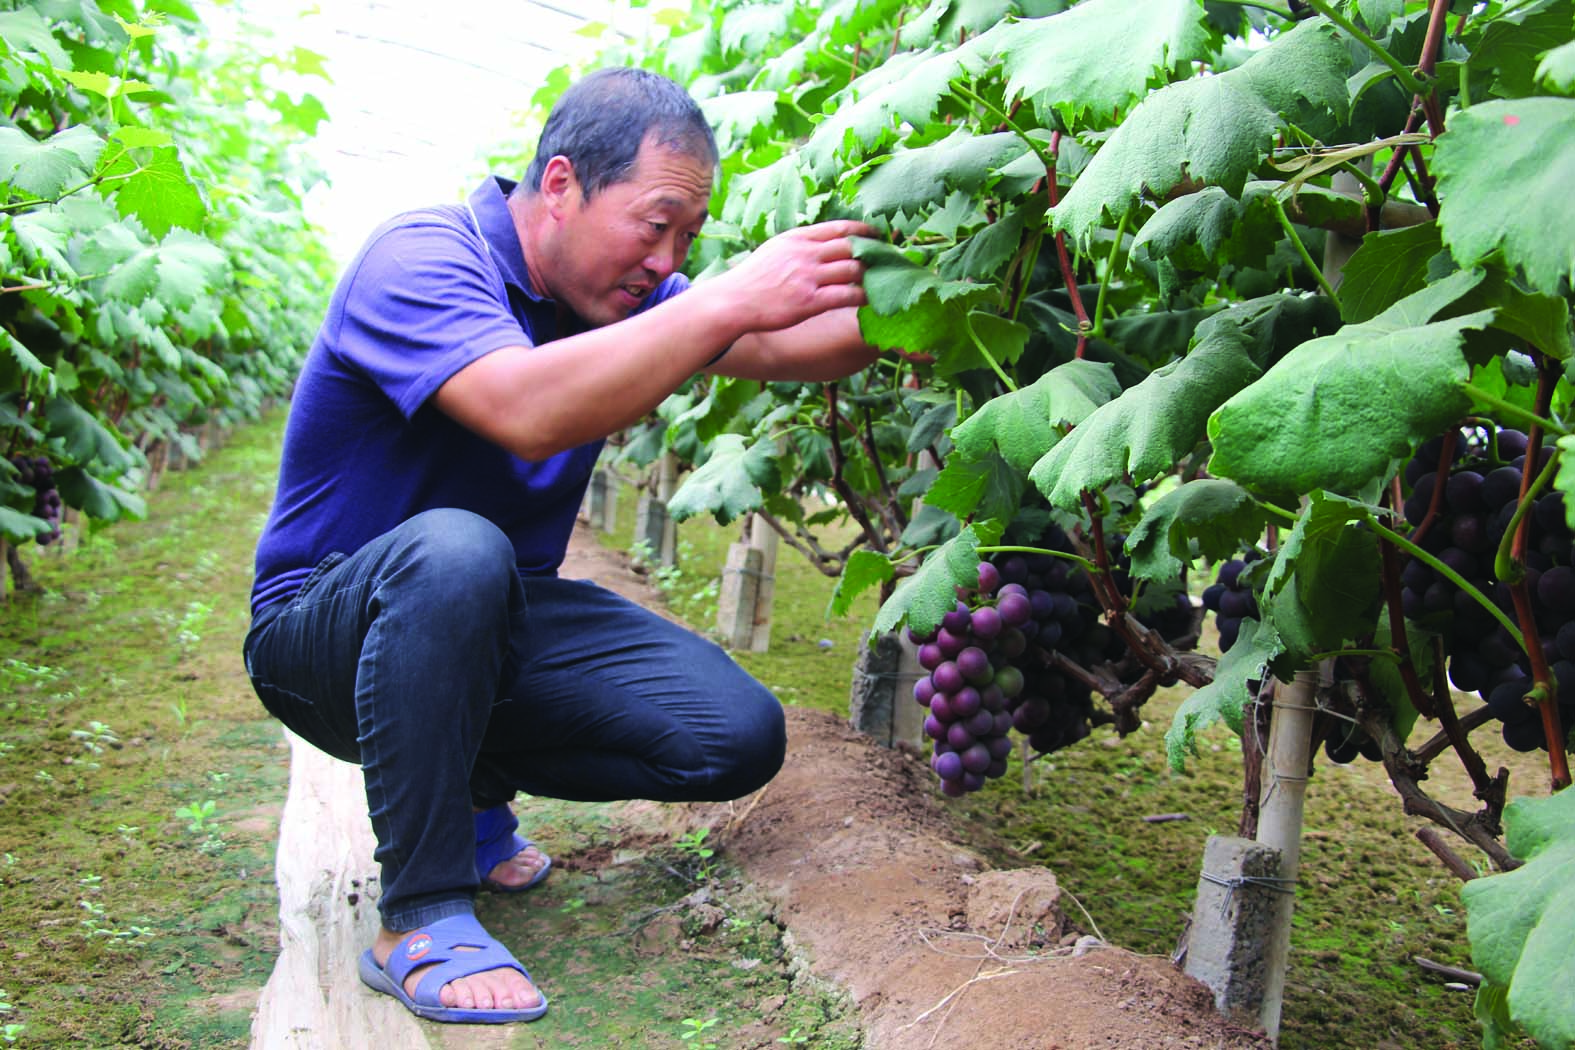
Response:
column 48, row 168
column 767, row 201
column 179, row 270
column 863, row 569
column 1337, row 411
column 1215, row 514
column 907, row 88
column 911, row 180
column 1152, row 425
column 1227, row 696
column 1557, row 69
column 1529, row 144
column 910, row 308
column 85, row 438
column 1191, row 230
column 1521, row 923
column 1088, row 64
column 17, row 527
column 1023, row 425
column 159, row 192
column 1323, row 587
column 1213, row 130
column 729, row 482
column 931, row 592
column 1390, row 265
column 1514, row 40
column 27, row 30
column 988, row 487
column 97, row 499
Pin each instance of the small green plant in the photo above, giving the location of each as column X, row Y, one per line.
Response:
column 196, row 815
column 694, row 1028
column 127, row 832
column 573, row 904
column 794, row 1038
column 96, row 737
column 178, row 709
column 96, row 925
column 188, row 633
column 692, row 846
column 16, row 675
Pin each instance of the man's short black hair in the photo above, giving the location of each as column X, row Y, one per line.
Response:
column 601, row 121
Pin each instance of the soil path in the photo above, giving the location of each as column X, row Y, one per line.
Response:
column 859, row 857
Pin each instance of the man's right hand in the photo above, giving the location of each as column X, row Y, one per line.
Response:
column 794, row 276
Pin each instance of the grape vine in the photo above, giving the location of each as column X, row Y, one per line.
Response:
column 1194, row 282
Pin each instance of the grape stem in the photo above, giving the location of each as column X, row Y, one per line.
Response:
column 1068, row 273
column 1509, row 561
column 1486, row 788
column 1407, row 81
column 1082, row 562
column 985, row 353
column 1514, row 412
column 1301, row 250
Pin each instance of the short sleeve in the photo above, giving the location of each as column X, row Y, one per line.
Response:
column 423, row 302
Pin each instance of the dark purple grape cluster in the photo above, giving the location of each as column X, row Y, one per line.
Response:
column 1231, row 600
column 1481, row 491
column 990, row 666
column 37, row 472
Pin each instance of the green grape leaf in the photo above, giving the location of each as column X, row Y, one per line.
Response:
column 910, row 308
column 1024, row 424
column 735, row 116
column 1004, row 338
column 1521, row 923
column 178, row 271
column 931, row 592
column 1146, row 430
column 1227, row 697
column 1088, row 64
column 864, row 569
column 752, row 27
column 1528, row 144
column 1191, row 230
column 1557, row 69
column 18, row 527
column 1323, row 587
column 988, row 487
column 1338, row 410
column 1213, row 130
column 96, row 499
column 84, row 438
column 159, row 193
column 1512, row 43
column 907, row 88
column 1390, row 265
column 981, row 256
column 47, row 169
column 1217, row 515
column 911, row 180
column 24, row 358
column 1564, row 478
column 27, row 30
column 728, row 484
column 767, row 201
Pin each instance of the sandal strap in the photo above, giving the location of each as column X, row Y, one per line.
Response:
column 495, row 838
column 454, row 947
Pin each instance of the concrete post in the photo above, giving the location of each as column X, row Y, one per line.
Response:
column 763, row 538
column 1232, row 921
column 881, row 704
column 735, row 606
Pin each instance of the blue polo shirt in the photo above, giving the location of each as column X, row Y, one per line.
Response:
column 364, row 450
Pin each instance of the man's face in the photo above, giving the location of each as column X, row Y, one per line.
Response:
column 610, row 253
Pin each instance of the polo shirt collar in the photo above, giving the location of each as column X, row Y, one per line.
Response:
column 490, row 203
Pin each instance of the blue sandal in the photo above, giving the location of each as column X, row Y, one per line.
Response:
column 441, row 943
column 496, row 843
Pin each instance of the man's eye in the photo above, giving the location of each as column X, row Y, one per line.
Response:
column 659, row 227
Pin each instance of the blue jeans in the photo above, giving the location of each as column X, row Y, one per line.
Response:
column 453, row 682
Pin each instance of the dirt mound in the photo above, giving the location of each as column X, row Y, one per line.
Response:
column 854, row 845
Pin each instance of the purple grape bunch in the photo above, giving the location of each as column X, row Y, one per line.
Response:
column 990, row 668
column 38, row 473
column 1480, row 494
column 1231, row 600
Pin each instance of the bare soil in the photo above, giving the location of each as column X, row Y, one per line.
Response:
column 864, row 866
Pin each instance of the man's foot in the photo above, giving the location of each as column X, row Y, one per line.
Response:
column 501, row 989
column 520, row 869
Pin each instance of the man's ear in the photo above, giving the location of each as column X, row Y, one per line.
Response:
column 560, row 187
